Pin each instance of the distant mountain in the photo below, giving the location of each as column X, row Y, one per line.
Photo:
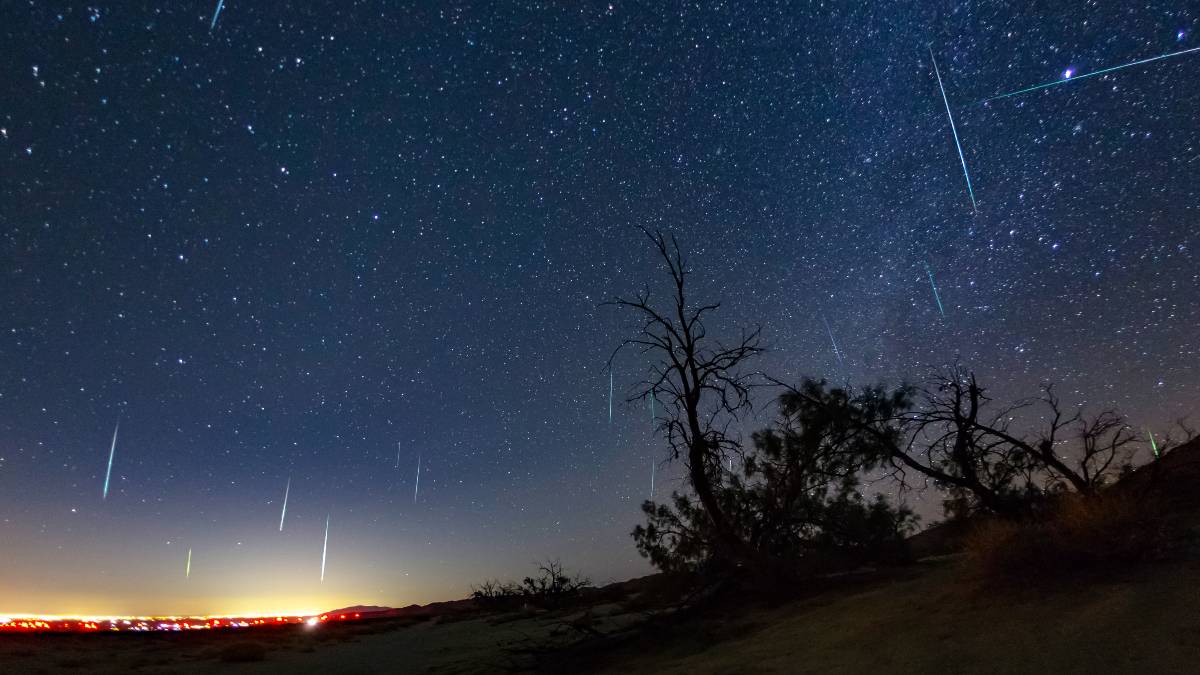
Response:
column 360, row 609
column 429, row 611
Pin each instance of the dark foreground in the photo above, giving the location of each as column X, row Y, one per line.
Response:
column 927, row 618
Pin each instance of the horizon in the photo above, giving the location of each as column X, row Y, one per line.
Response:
column 302, row 302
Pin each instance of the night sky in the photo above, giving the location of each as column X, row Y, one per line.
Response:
column 280, row 247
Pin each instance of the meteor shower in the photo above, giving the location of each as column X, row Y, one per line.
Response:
column 627, row 336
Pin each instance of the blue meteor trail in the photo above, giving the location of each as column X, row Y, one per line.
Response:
column 325, row 548
column 417, row 487
column 286, row 490
column 1072, row 78
column 111, row 451
column 652, row 468
column 954, row 130
column 837, row 352
column 934, row 287
column 220, row 6
column 610, row 394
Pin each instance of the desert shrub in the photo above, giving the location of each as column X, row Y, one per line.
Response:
column 496, row 593
column 550, row 586
column 797, row 503
column 1078, row 535
column 243, row 652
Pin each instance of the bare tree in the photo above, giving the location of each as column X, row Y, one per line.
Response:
column 954, row 435
column 698, row 381
column 1071, row 451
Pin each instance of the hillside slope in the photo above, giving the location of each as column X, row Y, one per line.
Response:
column 935, row 621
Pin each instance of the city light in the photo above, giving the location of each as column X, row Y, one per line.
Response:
column 75, row 624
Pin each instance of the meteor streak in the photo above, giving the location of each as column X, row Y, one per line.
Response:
column 397, row 454
column 325, row 548
column 935, row 290
column 652, row 468
column 286, row 489
column 1073, row 77
column 836, row 352
column 954, row 130
column 187, row 573
column 610, row 393
column 1153, row 445
column 220, row 6
column 417, row 487
column 111, row 451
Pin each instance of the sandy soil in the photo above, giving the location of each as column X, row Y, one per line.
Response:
column 928, row 619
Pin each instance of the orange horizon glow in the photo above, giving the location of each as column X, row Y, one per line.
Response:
column 94, row 618
column 134, row 624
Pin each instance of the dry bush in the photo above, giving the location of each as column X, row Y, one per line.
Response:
column 1080, row 535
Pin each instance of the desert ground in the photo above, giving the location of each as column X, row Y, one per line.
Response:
column 926, row 618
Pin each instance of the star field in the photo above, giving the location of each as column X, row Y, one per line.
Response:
column 278, row 247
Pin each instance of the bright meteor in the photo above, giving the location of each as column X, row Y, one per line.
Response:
column 283, row 514
column 217, row 13
column 933, row 285
column 837, row 352
column 325, row 548
column 610, row 394
column 652, row 468
column 187, row 572
column 111, row 452
column 417, row 486
column 1071, row 77
column 954, row 130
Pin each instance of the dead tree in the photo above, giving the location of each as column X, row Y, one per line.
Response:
column 955, row 436
column 700, row 384
column 1071, row 451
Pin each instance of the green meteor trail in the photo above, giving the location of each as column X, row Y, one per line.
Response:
column 933, row 285
column 1072, row 78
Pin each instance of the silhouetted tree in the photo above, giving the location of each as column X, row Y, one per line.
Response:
column 551, row 585
column 1000, row 458
column 797, row 504
column 699, row 383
